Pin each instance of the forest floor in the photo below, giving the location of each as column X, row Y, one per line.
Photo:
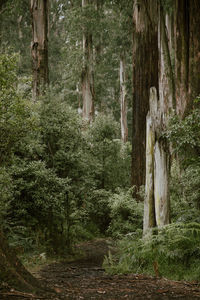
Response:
column 85, row 279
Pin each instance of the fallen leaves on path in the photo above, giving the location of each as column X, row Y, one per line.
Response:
column 85, row 279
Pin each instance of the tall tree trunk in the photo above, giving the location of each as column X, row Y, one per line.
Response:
column 19, row 20
column 182, row 54
column 156, row 205
column 149, row 220
column 166, row 72
column 186, row 22
column 145, row 75
column 87, row 74
column 2, row 7
column 13, row 272
column 194, row 51
column 123, row 101
column 39, row 46
column 187, row 54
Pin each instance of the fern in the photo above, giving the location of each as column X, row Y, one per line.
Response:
column 175, row 249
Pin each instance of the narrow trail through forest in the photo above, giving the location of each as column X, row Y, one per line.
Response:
column 86, row 279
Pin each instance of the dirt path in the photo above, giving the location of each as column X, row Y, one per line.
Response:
column 85, row 279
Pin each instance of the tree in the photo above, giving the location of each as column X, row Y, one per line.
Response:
column 13, row 126
column 15, row 32
column 12, row 271
column 187, row 59
column 39, row 46
column 185, row 86
column 87, row 73
column 145, row 75
column 123, row 99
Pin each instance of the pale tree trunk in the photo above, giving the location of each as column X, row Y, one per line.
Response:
column 149, row 204
column 39, row 46
column 123, row 100
column 161, row 184
column 156, row 204
column 166, row 72
column 2, row 8
column 177, row 92
column 87, row 75
column 19, row 20
column 145, row 75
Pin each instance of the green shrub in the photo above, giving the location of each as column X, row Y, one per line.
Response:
column 6, row 195
column 110, row 156
column 15, row 120
column 174, row 250
column 125, row 212
column 97, row 207
column 185, row 193
column 39, row 203
column 184, row 135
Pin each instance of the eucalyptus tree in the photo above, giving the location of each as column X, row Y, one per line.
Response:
column 39, row 46
column 117, row 47
column 145, row 75
column 87, row 72
column 122, row 42
column 15, row 32
column 187, row 49
column 92, row 37
column 179, row 64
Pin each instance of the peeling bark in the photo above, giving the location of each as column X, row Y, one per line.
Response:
column 149, row 205
column 166, row 74
column 39, row 46
column 156, row 205
column 161, row 189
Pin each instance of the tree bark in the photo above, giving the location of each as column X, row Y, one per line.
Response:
column 123, row 101
column 194, row 51
column 145, row 75
column 13, row 272
column 87, row 74
column 187, row 54
column 166, row 72
column 39, row 46
column 149, row 204
column 182, row 54
column 156, row 205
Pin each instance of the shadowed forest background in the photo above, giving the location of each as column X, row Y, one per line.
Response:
column 100, row 134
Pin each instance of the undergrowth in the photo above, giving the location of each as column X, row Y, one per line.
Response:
column 172, row 252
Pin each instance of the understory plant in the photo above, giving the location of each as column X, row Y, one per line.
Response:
column 57, row 172
column 172, row 251
column 125, row 213
column 184, row 136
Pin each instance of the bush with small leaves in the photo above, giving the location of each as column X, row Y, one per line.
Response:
column 125, row 212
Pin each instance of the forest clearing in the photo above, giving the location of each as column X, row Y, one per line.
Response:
column 99, row 149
